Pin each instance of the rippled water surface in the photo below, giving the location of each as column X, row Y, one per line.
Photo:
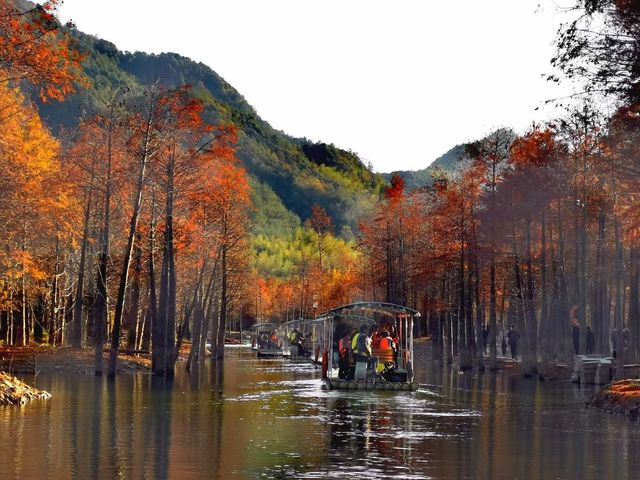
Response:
column 271, row 419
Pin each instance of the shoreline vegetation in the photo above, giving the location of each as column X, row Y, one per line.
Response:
column 36, row 359
column 47, row 359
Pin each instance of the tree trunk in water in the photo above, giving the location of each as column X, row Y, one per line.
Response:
column 530, row 357
column 54, row 297
column 464, row 317
column 633, row 322
column 583, row 280
column 124, row 274
column 165, row 341
column 519, row 310
column 133, row 310
column 619, row 269
column 133, row 225
column 101, row 310
column 479, row 317
column 198, row 318
column 544, row 331
column 448, row 344
column 222, row 322
column 197, row 353
column 188, row 311
column 493, row 324
column 437, row 353
column 151, row 326
column 77, row 334
column 101, row 303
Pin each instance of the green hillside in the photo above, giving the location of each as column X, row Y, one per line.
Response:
column 289, row 174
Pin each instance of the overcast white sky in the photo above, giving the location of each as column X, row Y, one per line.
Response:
column 399, row 82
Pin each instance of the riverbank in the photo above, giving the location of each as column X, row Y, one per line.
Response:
column 46, row 359
column 16, row 392
column 622, row 398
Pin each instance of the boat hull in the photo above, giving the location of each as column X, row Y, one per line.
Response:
column 337, row 384
column 269, row 353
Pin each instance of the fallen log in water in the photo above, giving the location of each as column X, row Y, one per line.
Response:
column 622, row 397
column 16, row 392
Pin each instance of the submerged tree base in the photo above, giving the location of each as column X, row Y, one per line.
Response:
column 16, row 392
column 622, row 398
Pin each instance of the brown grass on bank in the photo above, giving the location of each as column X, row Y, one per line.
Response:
column 35, row 359
column 621, row 397
column 16, row 392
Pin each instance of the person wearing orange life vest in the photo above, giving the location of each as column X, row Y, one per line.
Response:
column 384, row 350
column 273, row 340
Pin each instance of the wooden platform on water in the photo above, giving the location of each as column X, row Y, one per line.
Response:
column 338, row 384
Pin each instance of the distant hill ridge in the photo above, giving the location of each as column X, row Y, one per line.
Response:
column 421, row 178
column 288, row 174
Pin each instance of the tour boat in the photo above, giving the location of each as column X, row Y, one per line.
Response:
column 266, row 340
column 385, row 368
column 316, row 333
column 308, row 346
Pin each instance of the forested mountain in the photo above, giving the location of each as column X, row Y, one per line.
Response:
column 419, row 178
column 290, row 174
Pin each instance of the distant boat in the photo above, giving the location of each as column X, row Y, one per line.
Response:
column 302, row 340
column 266, row 340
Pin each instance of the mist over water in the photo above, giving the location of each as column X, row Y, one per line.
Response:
column 255, row 418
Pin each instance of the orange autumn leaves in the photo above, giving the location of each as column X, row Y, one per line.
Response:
column 34, row 204
column 34, row 48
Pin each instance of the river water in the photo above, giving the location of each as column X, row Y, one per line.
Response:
column 271, row 419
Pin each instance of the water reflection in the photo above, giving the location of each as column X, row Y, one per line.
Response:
column 248, row 418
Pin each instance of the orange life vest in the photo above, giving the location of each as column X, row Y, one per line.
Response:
column 384, row 350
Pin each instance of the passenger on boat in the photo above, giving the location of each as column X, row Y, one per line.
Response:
column 297, row 340
column 393, row 334
column 375, row 335
column 273, row 340
column 351, row 358
column 384, row 349
column 361, row 346
column 344, row 354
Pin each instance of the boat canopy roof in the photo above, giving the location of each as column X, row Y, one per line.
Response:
column 297, row 321
column 259, row 326
column 381, row 307
column 350, row 316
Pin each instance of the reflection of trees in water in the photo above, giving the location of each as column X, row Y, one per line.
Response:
column 217, row 389
column 74, row 439
column 161, row 399
column 96, row 448
column 115, row 462
column 370, row 432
